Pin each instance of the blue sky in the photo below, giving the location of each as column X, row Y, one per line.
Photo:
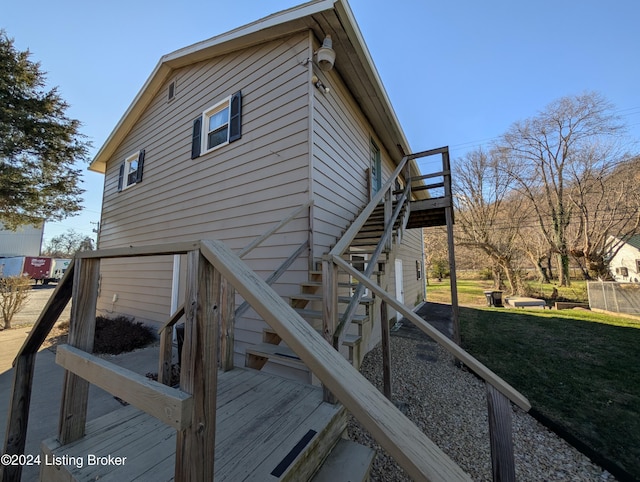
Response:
column 458, row 73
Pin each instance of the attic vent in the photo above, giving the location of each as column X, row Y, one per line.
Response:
column 172, row 90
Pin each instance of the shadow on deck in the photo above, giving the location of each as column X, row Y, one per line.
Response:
column 267, row 427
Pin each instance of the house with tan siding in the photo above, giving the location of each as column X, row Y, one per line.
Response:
column 259, row 191
column 230, row 136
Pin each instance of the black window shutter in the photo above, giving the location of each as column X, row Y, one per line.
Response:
column 196, row 137
column 140, row 165
column 235, row 119
column 121, row 177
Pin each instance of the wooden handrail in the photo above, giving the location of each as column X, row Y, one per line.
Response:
column 241, row 310
column 481, row 370
column 357, row 296
column 256, row 242
column 169, row 405
column 430, row 152
column 413, row 450
column 347, row 238
column 137, row 251
column 24, row 367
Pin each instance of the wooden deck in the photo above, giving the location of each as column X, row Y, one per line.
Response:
column 268, row 428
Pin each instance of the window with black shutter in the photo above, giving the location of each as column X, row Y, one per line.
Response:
column 219, row 125
column 131, row 170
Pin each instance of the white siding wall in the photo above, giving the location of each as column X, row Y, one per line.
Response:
column 627, row 257
column 233, row 194
column 24, row 241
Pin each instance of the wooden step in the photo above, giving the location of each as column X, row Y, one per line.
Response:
column 382, row 259
column 318, row 297
column 265, row 424
column 257, row 355
column 349, row 340
column 347, row 462
column 316, row 284
column 317, row 315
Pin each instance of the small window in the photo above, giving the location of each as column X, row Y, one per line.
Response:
column 622, row 271
column 172, row 90
column 218, row 126
column 131, row 170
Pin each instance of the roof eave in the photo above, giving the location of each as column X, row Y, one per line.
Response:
column 271, row 27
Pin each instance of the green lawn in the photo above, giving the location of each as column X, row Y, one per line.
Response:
column 580, row 369
column 470, row 292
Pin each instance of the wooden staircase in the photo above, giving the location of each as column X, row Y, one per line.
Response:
column 239, row 423
column 308, row 303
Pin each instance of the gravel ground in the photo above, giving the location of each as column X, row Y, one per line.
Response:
column 449, row 405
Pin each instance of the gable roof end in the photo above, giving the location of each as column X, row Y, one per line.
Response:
column 323, row 17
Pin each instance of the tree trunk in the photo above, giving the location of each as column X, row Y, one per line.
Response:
column 563, row 269
column 498, row 283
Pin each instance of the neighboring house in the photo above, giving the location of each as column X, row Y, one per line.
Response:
column 229, row 136
column 24, row 241
column 625, row 264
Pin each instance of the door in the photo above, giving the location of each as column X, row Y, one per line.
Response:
column 376, row 169
column 399, row 286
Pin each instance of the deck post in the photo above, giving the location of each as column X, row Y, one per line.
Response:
column 165, row 360
column 386, row 349
column 448, row 212
column 82, row 328
column 329, row 310
column 502, row 460
column 195, row 446
column 388, row 212
column 24, row 364
column 227, row 325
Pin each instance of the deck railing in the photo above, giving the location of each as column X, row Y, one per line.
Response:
column 192, row 408
column 499, row 393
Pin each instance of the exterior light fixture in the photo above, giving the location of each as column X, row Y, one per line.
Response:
column 319, row 85
column 326, row 55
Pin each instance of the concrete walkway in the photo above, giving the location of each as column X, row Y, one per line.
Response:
column 437, row 315
column 47, row 389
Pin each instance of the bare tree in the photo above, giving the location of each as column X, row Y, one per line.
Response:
column 436, row 250
column 547, row 153
column 66, row 244
column 488, row 215
column 14, row 291
column 607, row 202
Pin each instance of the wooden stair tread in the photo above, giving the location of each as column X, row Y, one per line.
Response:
column 277, row 352
column 260, row 419
column 341, row 299
column 316, row 314
column 348, row 462
column 349, row 339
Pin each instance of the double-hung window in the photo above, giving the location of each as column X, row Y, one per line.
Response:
column 131, row 170
column 219, row 125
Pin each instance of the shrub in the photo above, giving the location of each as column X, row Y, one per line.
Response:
column 14, row 291
column 120, row 335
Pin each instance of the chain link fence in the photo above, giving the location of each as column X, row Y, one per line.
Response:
column 615, row 297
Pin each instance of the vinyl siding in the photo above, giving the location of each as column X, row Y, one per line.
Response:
column 340, row 160
column 234, row 193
